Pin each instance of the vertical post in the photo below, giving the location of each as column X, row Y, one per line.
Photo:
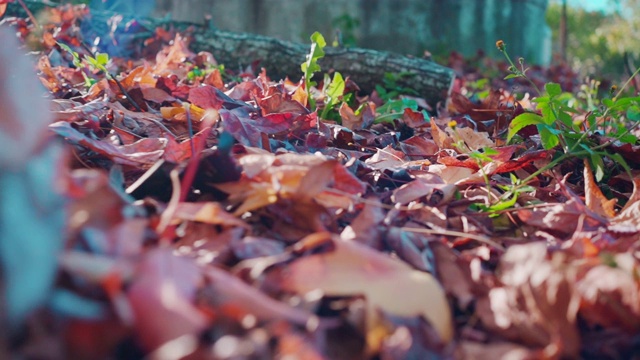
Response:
column 563, row 32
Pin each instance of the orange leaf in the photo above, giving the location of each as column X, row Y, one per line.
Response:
column 594, row 198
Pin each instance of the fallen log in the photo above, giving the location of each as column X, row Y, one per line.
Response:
column 283, row 58
column 366, row 67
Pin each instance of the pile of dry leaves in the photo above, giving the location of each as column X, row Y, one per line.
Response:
column 211, row 216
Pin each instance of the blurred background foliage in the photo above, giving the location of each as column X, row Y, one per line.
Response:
column 603, row 42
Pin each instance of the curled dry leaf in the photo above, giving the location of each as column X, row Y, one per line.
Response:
column 473, row 139
column 305, row 178
column 361, row 121
column 352, row 269
column 594, row 198
column 611, row 294
column 144, row 152
column 498, row 350
column 442, row 139
column 162, row 293
column 209, row 213
column 365, row 227
column 628, row 220
column 434, row 194
column 538, row 303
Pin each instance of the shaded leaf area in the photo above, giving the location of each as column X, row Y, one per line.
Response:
column 212, row 215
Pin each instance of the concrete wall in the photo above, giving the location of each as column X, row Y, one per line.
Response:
column 404, row 26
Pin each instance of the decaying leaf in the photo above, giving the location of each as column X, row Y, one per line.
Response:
column 352, row 269
column 594, row 198
column 538, row 304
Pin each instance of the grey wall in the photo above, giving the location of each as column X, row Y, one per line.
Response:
column 404, row 26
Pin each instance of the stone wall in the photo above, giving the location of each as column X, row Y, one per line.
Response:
column 404, row 26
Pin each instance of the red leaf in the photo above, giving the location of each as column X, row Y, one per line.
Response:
column 206, row 97
column 162, row 294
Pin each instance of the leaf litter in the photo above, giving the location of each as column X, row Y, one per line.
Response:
column 214, row 215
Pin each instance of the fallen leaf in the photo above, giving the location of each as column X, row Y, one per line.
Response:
column 352, row 269
column 158, row 297
column 594, row 198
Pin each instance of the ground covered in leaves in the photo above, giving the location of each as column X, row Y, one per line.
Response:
column 212, row 215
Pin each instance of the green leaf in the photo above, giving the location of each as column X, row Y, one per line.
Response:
column 102, row 59
column 310, row 66
column 502, row 205
column 511, row 76
column 633, row 113
column 521, row 121
column 566, row 119
column 333, row 92
column 617, row 158
column 629, row 139
column 553, row 89
column 490, row 151
column 317, row 38
column 336, row 88
column 607, row 102
column 548, row 136
column 598, row 165
column 541, row 100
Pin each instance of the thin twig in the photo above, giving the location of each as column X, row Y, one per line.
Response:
column 31, row 17
column 479, row 238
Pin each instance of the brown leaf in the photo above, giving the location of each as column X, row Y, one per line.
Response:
column 214, row 79
column 159, row 297
column 474, row 140
column 594, row 198
column 156, row 95
column 434, row 194
column 441, row 138
column 317, row 179
column 209, row 213
column 205, row 97
column 611, row 295
column 412, row 118
column 365, row 227
column 451, row 174
column 386, row 158
column 454, row 274
column 352, row 269
column 538, row 303
column 499, row 350
column 628, row 220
